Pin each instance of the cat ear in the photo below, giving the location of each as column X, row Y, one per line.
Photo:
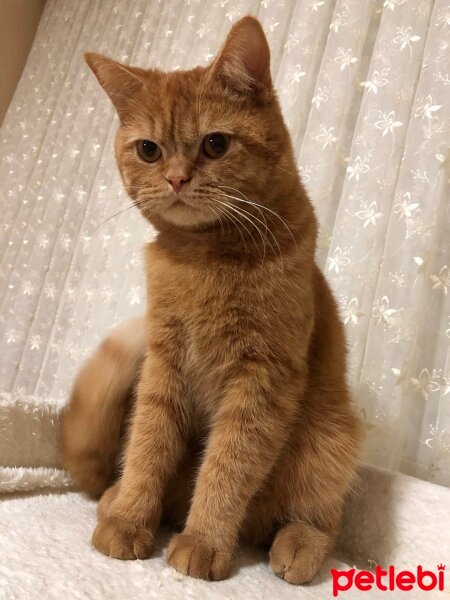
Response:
column 119, row 81
column 243, row 64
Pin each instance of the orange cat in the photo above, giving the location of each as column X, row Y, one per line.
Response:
column 241, row 421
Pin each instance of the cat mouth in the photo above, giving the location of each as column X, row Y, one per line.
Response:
column 184, row 213
column 180, row 202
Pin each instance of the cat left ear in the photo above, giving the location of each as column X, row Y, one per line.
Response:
column 119, row 81
column 243, row 64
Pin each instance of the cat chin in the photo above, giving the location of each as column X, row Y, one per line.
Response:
column 187, row 217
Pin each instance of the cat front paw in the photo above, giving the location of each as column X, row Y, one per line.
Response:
column 298, row 552
column 122, row 539
column 192, row 556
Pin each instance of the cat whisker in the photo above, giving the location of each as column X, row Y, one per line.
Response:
column 237, row 211
column 219, row 217
column 119, row 190
column 227, row 214
column 247, row 201
column 262, row 207
column 268, row 230
column 148, row 211
column 241, row 214
column 112, row 217
column 138, row 203
column 286, row 171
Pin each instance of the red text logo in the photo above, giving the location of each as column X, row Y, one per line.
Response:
column 388, row 579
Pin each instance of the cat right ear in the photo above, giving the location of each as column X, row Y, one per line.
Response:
column 119, row 81
column 243, row 63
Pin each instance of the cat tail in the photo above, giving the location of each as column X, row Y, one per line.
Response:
column 95, row 419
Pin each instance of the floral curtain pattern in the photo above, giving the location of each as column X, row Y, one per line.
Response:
column 364, row 87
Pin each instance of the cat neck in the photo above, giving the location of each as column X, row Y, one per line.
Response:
column 262, row 236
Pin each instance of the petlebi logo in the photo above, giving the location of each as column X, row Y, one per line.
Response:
column 388, row 580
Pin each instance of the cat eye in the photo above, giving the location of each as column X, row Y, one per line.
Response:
column 148, row 150
column 215, row 144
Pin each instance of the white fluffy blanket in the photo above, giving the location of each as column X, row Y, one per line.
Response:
column 45, row 550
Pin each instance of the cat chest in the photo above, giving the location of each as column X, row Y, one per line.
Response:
column 211, row 320
column 206, row 321
column 201, row 316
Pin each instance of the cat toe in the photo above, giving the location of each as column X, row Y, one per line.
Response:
column 122, row 539
column 298, row 552
column 194, row 557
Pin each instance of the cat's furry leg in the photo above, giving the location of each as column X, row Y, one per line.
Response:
column 246, row 439
column 306, row 492
column 178, row 493
column 157, row 443
column 302, row 499
column 308, row 495
column 93, row 422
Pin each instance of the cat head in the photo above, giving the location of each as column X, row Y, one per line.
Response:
column 195, row 147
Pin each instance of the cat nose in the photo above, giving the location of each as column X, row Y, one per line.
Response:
column 177, row 181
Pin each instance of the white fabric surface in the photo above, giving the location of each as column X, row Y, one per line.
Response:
column 45, row 549
column 364, row 88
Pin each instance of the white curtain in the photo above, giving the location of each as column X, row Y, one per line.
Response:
column 364, row 86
